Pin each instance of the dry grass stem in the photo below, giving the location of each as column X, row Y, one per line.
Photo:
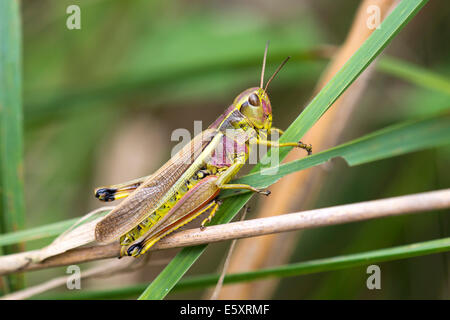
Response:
column 414, row 203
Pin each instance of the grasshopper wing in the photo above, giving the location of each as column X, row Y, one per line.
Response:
column 147, row 198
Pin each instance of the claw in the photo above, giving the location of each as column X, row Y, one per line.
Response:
column 216, row 203
column 204, row 222
column 307, row 147
column 134, row 250
column 105, row 194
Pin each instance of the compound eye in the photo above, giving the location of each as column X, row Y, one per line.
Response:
column 253, row 100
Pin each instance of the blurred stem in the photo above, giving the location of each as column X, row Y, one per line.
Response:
column 289, row 270
column 47, row 106
column 11, row 135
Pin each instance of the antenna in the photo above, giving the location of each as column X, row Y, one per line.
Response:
column 275, row 73
column 264, row 64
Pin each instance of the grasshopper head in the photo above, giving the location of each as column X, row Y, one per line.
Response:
column 254, row 104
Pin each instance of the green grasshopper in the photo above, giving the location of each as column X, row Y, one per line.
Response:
column 189, row 183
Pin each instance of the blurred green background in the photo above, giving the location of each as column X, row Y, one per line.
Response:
column 100, row 104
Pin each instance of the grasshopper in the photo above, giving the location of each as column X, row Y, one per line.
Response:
column 189, row 183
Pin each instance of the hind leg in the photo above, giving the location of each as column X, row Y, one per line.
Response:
column 118, row 191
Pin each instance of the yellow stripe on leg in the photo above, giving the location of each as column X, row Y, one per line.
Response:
column 244, row 187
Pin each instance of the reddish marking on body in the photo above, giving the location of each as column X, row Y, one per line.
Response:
column 224, row 154
column 267, row 108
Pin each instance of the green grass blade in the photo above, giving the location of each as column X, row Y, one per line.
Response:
column 415, row 74
column 327, row 264
column 11, row 135
column 391, row 141
column 379, row 39
column 49, row 230
column 41, row 232
column 290, row 270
